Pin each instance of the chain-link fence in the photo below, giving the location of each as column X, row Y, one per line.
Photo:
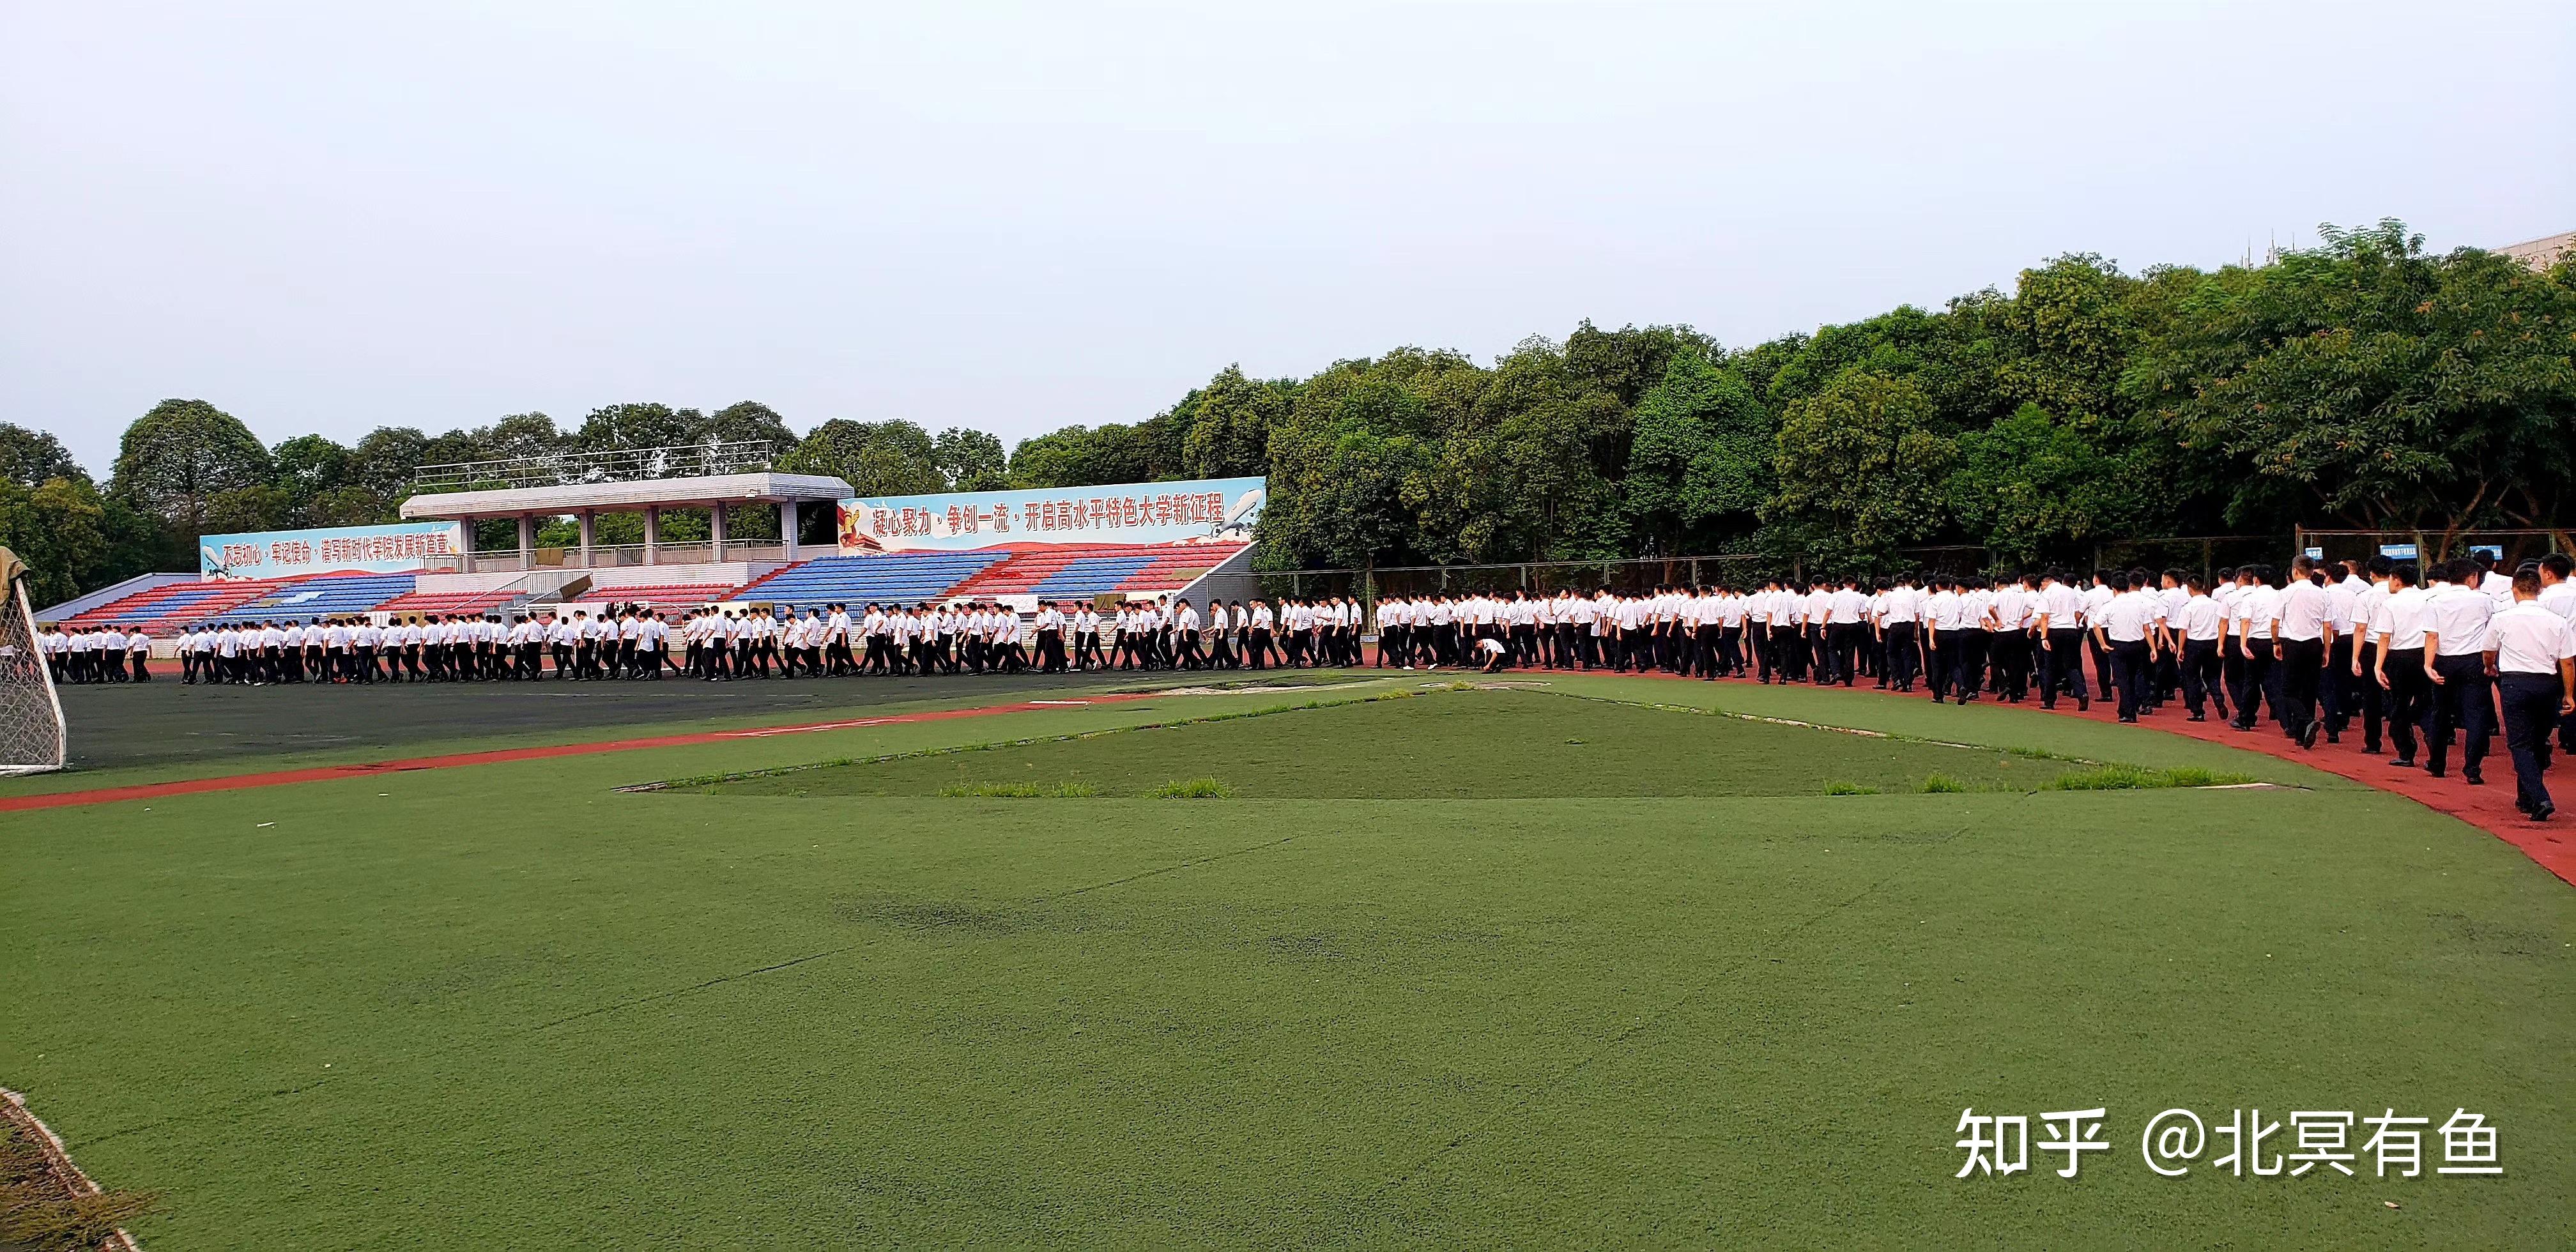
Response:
column 2509, row 547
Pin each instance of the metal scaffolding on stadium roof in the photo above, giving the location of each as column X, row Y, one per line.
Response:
column 562, row 469
column 716, row 477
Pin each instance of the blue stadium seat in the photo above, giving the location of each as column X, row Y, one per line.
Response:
column 858, row 580
column 1090, row 576
column 322, row 597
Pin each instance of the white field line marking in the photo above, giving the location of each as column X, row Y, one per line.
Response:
column 798, row 730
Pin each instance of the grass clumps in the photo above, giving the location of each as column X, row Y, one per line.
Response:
column 2130, row 777
column 1021, row 791
column 1849, row 789
column 1192, row 789
column 39, row 1209
column 1941, row 784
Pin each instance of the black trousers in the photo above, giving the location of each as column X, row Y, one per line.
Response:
column 1842, row 642
column 1965, row 651
column 2011, row 651
column 2302, row 667
column 2410, row 698
column 1904, row 654
column 2366, row 697
column 2129, row 674
column 2254, row 681
column 2336, row 689
column 2530, row 708
column 2200, row 673
column 2065, row 671
column 2460, row 704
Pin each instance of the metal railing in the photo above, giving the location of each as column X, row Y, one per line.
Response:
column 2509, row 545
column 622, row 556
column 563, row 469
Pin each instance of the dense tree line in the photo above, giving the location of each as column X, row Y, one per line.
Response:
column 2362, row 383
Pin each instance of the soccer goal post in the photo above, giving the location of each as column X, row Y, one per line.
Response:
column 31, row 717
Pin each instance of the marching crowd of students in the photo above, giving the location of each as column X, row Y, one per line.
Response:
column 717, row 644
column 2425, row 659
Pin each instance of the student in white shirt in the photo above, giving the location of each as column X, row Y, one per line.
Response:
column 2397, row 659
column 2250, row 619
column 2197, row 632
column 2125, row 627
column 2558, row 595
column 2533, row 654
column 2303, row 629
column 2456, row 619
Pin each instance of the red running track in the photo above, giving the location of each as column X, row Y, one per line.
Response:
column 369, row 769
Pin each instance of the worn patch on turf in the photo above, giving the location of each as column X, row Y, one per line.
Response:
column 1451, row 742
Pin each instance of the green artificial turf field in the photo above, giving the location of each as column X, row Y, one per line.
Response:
column 1425, row 972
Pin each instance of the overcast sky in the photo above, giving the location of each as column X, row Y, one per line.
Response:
column 334, row 217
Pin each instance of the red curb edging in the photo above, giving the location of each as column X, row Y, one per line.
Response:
column 324, row 773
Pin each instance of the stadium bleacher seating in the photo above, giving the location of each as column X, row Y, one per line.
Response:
column 164, row 608
column 174, row 602
column 665, row 597
column 1048, row 572
column 444, row 603
column 1069, row 572
column 894, row 578
column 323, row 595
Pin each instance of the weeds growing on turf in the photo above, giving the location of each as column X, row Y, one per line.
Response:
column 1941, row 784
column 1192, row 789
column 2126, row 777
column 41, row 1209
column 1021, row 791
column 1849, row 789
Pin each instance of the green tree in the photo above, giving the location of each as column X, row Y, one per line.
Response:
column 745, row 421
column 306, row 468
column 624, row 427
column 520, row 436
column 891, row 458
column 1699, row 459
column 1861, row 467
column 1083, row 456
column 2031, row 483
column 2367, row 383
column 2069, row 337
column 382, row 463
column 178, row 458
column 31, row 457
column 1229, row 423
column 75, row 540
column 970, row 460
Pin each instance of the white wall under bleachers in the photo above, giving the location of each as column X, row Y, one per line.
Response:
column 711, row 573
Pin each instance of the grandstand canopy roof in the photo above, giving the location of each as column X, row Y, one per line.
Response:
column 624, row 497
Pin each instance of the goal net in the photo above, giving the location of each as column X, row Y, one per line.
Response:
column 31, row 719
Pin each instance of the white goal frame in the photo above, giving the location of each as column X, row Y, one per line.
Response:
column 15, row 604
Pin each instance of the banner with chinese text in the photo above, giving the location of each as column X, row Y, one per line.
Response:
column 1199, row 511
column 394, row 549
